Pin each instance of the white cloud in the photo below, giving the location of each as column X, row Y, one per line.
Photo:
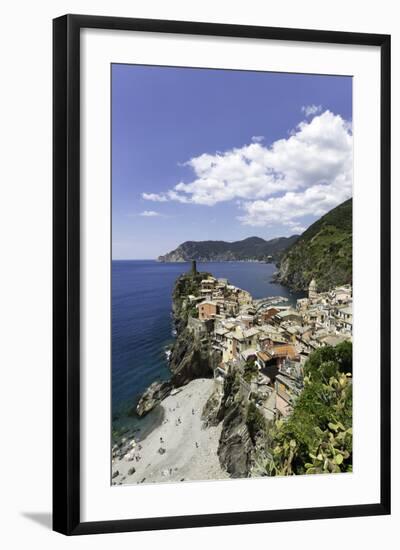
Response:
column 168, row 196
column 314, row 201
column 298, row 229
column 149, row 214
column 154, row 197
column 257, row 139
column 295, row 227
column 310, row 110
column 305, row 174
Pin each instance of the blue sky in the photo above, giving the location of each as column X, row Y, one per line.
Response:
column 212, row 154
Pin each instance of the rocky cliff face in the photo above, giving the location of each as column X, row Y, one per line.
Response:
column 235, row 446
column 191, row 354
column 230, row 405
column 211, row 414
column 191, row 358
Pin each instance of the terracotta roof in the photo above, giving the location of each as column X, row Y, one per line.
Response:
column 286, row 350
column 270, row 311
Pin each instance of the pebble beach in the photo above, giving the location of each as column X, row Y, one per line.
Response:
column 177, row 448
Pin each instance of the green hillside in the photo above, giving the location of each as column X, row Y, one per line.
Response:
column 323, row 252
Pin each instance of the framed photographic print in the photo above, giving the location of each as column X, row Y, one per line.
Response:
column 221, row 274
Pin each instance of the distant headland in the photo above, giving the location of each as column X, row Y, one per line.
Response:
column 250, row 249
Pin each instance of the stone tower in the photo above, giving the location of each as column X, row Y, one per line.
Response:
column 194, row 268
column 312, row 290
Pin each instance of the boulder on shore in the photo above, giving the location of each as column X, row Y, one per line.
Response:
column 155, row 393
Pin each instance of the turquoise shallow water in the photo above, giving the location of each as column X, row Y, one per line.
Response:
column 141, row 316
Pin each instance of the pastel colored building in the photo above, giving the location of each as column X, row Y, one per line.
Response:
column 207, row 310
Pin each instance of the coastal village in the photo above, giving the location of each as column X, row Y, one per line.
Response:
column 202, row 426
column 267, row 337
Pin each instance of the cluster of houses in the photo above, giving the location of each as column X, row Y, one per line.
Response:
column 274, row 340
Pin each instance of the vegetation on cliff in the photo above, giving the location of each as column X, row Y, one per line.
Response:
column 323, row 252
column 255, row 422
column 253, row 248
column 187, row 284
column 317, row 436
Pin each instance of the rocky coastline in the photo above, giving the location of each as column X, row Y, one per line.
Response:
column 220, row 416
column 246, row 359
column 220, row 413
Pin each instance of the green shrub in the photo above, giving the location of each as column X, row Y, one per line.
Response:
column 250, row 370
column 255, row 421
column 317, row 436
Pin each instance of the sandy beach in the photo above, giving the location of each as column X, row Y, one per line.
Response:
column 178, row 448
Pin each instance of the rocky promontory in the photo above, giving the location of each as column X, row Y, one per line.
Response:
column 191, row 356
column 230, row 407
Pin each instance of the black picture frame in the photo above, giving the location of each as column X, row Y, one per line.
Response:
column 66, row 273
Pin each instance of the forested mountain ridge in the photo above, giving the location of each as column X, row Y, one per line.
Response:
column 252, row 248
column 323, row 252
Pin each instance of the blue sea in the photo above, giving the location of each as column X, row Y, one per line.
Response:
column 141, row 317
